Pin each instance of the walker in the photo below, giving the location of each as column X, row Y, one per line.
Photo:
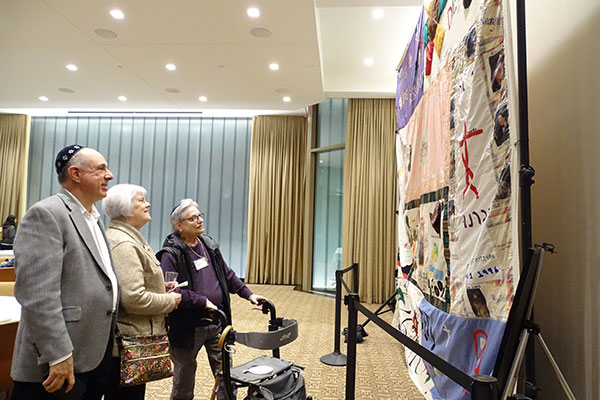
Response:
column 266, row 377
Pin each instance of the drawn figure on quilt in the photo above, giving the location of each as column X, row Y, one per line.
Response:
column 469, row 175
column 407, row 319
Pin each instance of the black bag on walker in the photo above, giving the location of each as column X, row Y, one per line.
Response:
column 289, row 385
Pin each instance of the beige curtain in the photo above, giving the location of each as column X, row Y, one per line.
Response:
column 369, row 219
column 276, row 200
column 14, row 150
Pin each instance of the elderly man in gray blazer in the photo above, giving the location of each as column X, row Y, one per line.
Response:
column 66, row 285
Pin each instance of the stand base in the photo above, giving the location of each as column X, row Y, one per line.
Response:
column 334, row 359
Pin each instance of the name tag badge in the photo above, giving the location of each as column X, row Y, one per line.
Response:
column 200, row 263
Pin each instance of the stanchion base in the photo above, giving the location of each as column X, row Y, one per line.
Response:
column 334, row 359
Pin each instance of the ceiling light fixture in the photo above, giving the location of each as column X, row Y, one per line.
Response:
column 377, row 13
column 203, row 99
column 170, row 67
column 253, row 12
column 273, row 66
column 369, row 61
column 71, row 67
column 287, row 99
column 117, row 14
column 122, row 98
column 43, row 98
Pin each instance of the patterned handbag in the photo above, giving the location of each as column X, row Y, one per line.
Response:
column 144, row 359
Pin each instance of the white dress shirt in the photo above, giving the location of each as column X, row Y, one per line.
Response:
column 92, row 221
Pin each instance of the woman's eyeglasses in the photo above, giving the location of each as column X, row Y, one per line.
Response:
column 195, row 218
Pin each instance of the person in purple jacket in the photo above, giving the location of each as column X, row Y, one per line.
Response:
column 197, row 259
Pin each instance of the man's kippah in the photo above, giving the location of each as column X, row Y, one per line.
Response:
column 63, row 156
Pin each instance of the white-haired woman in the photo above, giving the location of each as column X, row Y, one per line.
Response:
column 144, row 302
column 197, row 259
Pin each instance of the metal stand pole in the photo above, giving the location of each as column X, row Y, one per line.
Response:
column 509, row 388
column 484, row 388
column 561, row 378
column 336, row 359
column 377, row 312
column 527, row 336
column 351, row 300
column 526, row 171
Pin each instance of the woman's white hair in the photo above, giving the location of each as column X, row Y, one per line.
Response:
column 119, row 200
column 177, row 213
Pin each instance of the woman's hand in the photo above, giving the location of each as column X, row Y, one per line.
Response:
column 170, row 285
column 177, row 298
column 255, row 298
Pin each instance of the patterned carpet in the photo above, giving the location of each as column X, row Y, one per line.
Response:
column 381, row 372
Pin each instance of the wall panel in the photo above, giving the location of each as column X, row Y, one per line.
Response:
column 201, row 158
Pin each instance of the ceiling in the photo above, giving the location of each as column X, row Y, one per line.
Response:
column 319, row 45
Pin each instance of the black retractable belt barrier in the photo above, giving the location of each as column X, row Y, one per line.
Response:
column 481, row 387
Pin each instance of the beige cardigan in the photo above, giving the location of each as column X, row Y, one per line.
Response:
column 143, row 302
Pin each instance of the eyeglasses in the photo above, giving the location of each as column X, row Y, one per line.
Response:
column 195, row 218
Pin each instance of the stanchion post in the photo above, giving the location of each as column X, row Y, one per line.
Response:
column 351, row 300
column 484, row 388
column 336, row 358
column 355, row 277
column 338, row 311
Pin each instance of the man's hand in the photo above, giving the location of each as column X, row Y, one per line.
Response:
column 58, row 374
column 255, row 298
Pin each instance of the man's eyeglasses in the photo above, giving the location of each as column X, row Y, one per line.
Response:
column 195, row 218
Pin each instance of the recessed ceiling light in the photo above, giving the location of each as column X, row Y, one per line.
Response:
column 203, row 99
column 369, row 61
column 287, row 99
column 117, row 14
column 71, row 67
column 378, row 13
column 253, row 12
column 273, row 66
column 43, row 98
column 170, row 67
column 122, row 98
column 260, row 32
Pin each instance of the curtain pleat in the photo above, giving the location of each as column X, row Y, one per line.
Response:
column 370, row 193
column 276, row 200
column 14, row 149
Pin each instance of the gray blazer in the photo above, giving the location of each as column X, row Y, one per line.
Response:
column 62, row 286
